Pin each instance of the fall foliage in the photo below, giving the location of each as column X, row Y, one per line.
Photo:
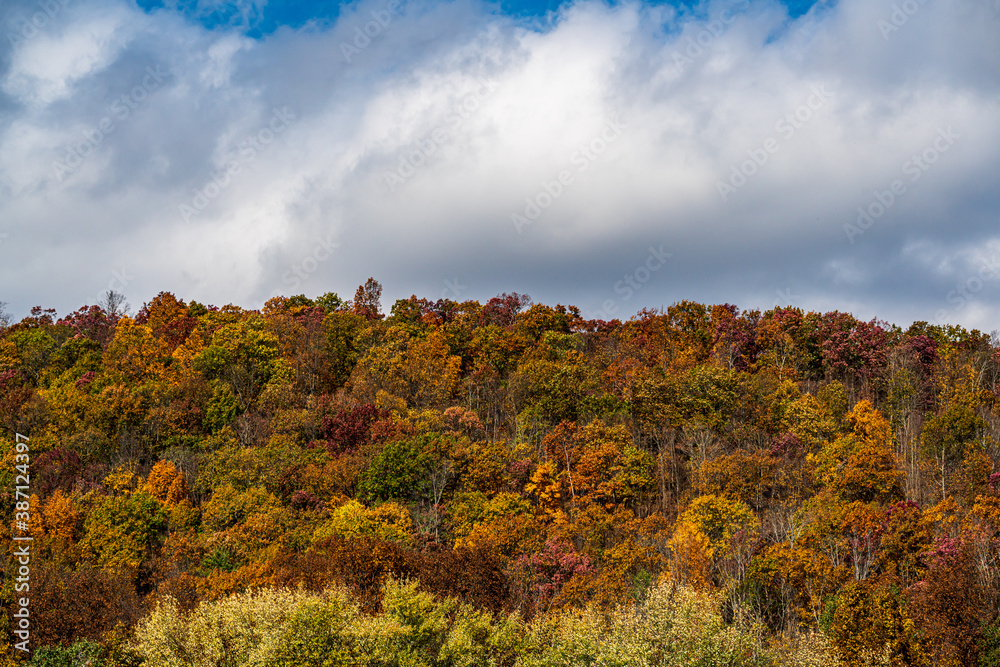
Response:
column 508, row 483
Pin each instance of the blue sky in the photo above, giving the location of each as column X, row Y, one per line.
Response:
column 616, row 156
column 272, row 15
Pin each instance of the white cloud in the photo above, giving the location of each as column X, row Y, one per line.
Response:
column 46, row 67
column 551, row 92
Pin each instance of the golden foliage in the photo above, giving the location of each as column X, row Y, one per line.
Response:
column 60, row 516
column 388, row 521
column 421, row 371
column 720, row 519
column 135, row 354
column 547, row 486
column 870, row 627
column 166, row 483
column 121, row 480
column 691, row 551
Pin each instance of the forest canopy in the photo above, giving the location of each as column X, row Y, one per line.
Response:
column 319, row 482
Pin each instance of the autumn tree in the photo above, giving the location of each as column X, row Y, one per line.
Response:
column 367, row 300
column 862, row 465
column 949, row 605
column 420, row 371
column 869, row 624
column 244, row 355
column 121, row 530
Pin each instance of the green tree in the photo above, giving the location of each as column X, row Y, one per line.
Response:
column 120, row 531
column 244, row 354
column 399, row 471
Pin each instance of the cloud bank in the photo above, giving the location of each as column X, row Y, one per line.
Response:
column 846, row 159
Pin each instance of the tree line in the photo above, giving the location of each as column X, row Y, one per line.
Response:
column 454, row 483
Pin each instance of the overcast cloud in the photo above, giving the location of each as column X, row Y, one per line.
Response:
column 719, row 155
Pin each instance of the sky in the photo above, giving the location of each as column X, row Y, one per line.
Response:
column 825, row 155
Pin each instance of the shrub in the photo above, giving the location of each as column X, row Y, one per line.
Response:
column 243, row 629
column 81, row 654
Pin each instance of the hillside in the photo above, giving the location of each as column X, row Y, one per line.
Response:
column 319, row 483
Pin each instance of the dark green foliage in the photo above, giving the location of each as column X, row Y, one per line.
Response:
column 398, row 471
column 222, row 407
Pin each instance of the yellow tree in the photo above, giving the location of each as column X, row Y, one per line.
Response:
column 166, row 483
column 352, row 520
column 861, row 465
column 135, row 354
column 729, row 525
column 692, row 553
column 547, row 486
column 720, row 519
column 421, row 371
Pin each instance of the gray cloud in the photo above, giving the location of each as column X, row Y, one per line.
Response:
column 474, row 114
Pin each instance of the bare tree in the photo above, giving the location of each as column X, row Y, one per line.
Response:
column 701, row 444
column 4, row 315
column 440, row 473
column 902, row 406
column 666, row 457
column 114, row 306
